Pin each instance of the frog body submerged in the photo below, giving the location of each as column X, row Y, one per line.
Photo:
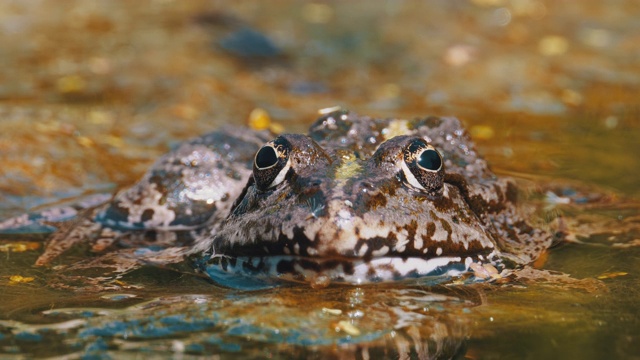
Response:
column 351, row 206
column 357, row 199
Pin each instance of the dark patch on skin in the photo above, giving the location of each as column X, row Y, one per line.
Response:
column 288, row 266
column 499, row 205
column 285, row 267
column 443, row 203
column 374, row 201
column 449, row 248
column 411, row 228
column 374, row 244
column 431, row 230
column 146, row 215
column 524, row 227
column 512, row 193
column 304, row 243
column 460, row 183
column 477, row 204
column 249, row 266
column 159, row 180
column 510, row 231
column 447, row 227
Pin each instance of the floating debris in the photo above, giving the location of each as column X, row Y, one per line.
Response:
column 484, row 271
column 259, row 119
column 320, row 282
column 19, row 279
column 118, row 297
column 329, row 110
column 20, row 246
column 571, row 97
column 553, row 199
column 348, row 328
column 331, row 311
column 85, row 141
column 482, row 132
column 71, row 84
column 611, row 275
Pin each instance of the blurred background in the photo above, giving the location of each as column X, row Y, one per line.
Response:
column 92, row 92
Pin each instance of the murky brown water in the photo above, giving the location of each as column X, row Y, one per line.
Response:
column 92, row 92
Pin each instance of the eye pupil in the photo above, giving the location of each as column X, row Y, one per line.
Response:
column 430, row 160
column 423, row 167
column 266, row 157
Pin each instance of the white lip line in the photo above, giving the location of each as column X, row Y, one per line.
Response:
column 382, row 268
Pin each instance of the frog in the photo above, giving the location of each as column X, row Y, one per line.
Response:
column 356, row 199
column 360, row 199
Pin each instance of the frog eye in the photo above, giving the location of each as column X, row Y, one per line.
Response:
column 271, row 164
column 423, row 166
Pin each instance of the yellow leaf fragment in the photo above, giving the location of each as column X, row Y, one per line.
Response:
column 84, row 141
column 611, row 275
column 259, row 119
column 18, row 279
column 19, row 246
column 481, row 132
column 71, row 84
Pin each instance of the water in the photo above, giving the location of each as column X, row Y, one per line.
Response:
column 545, row 88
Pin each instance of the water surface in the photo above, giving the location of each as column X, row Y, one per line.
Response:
column 91, row 93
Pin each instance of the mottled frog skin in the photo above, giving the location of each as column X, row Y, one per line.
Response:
column 363, row 199
column 358, row 199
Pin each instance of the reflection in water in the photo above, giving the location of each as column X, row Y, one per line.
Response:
column 404, row 319
column 367, row 322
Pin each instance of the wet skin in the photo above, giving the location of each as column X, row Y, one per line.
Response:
column 364, row 199
column 357, row 199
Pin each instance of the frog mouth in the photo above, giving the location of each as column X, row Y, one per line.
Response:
column 240, row 271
